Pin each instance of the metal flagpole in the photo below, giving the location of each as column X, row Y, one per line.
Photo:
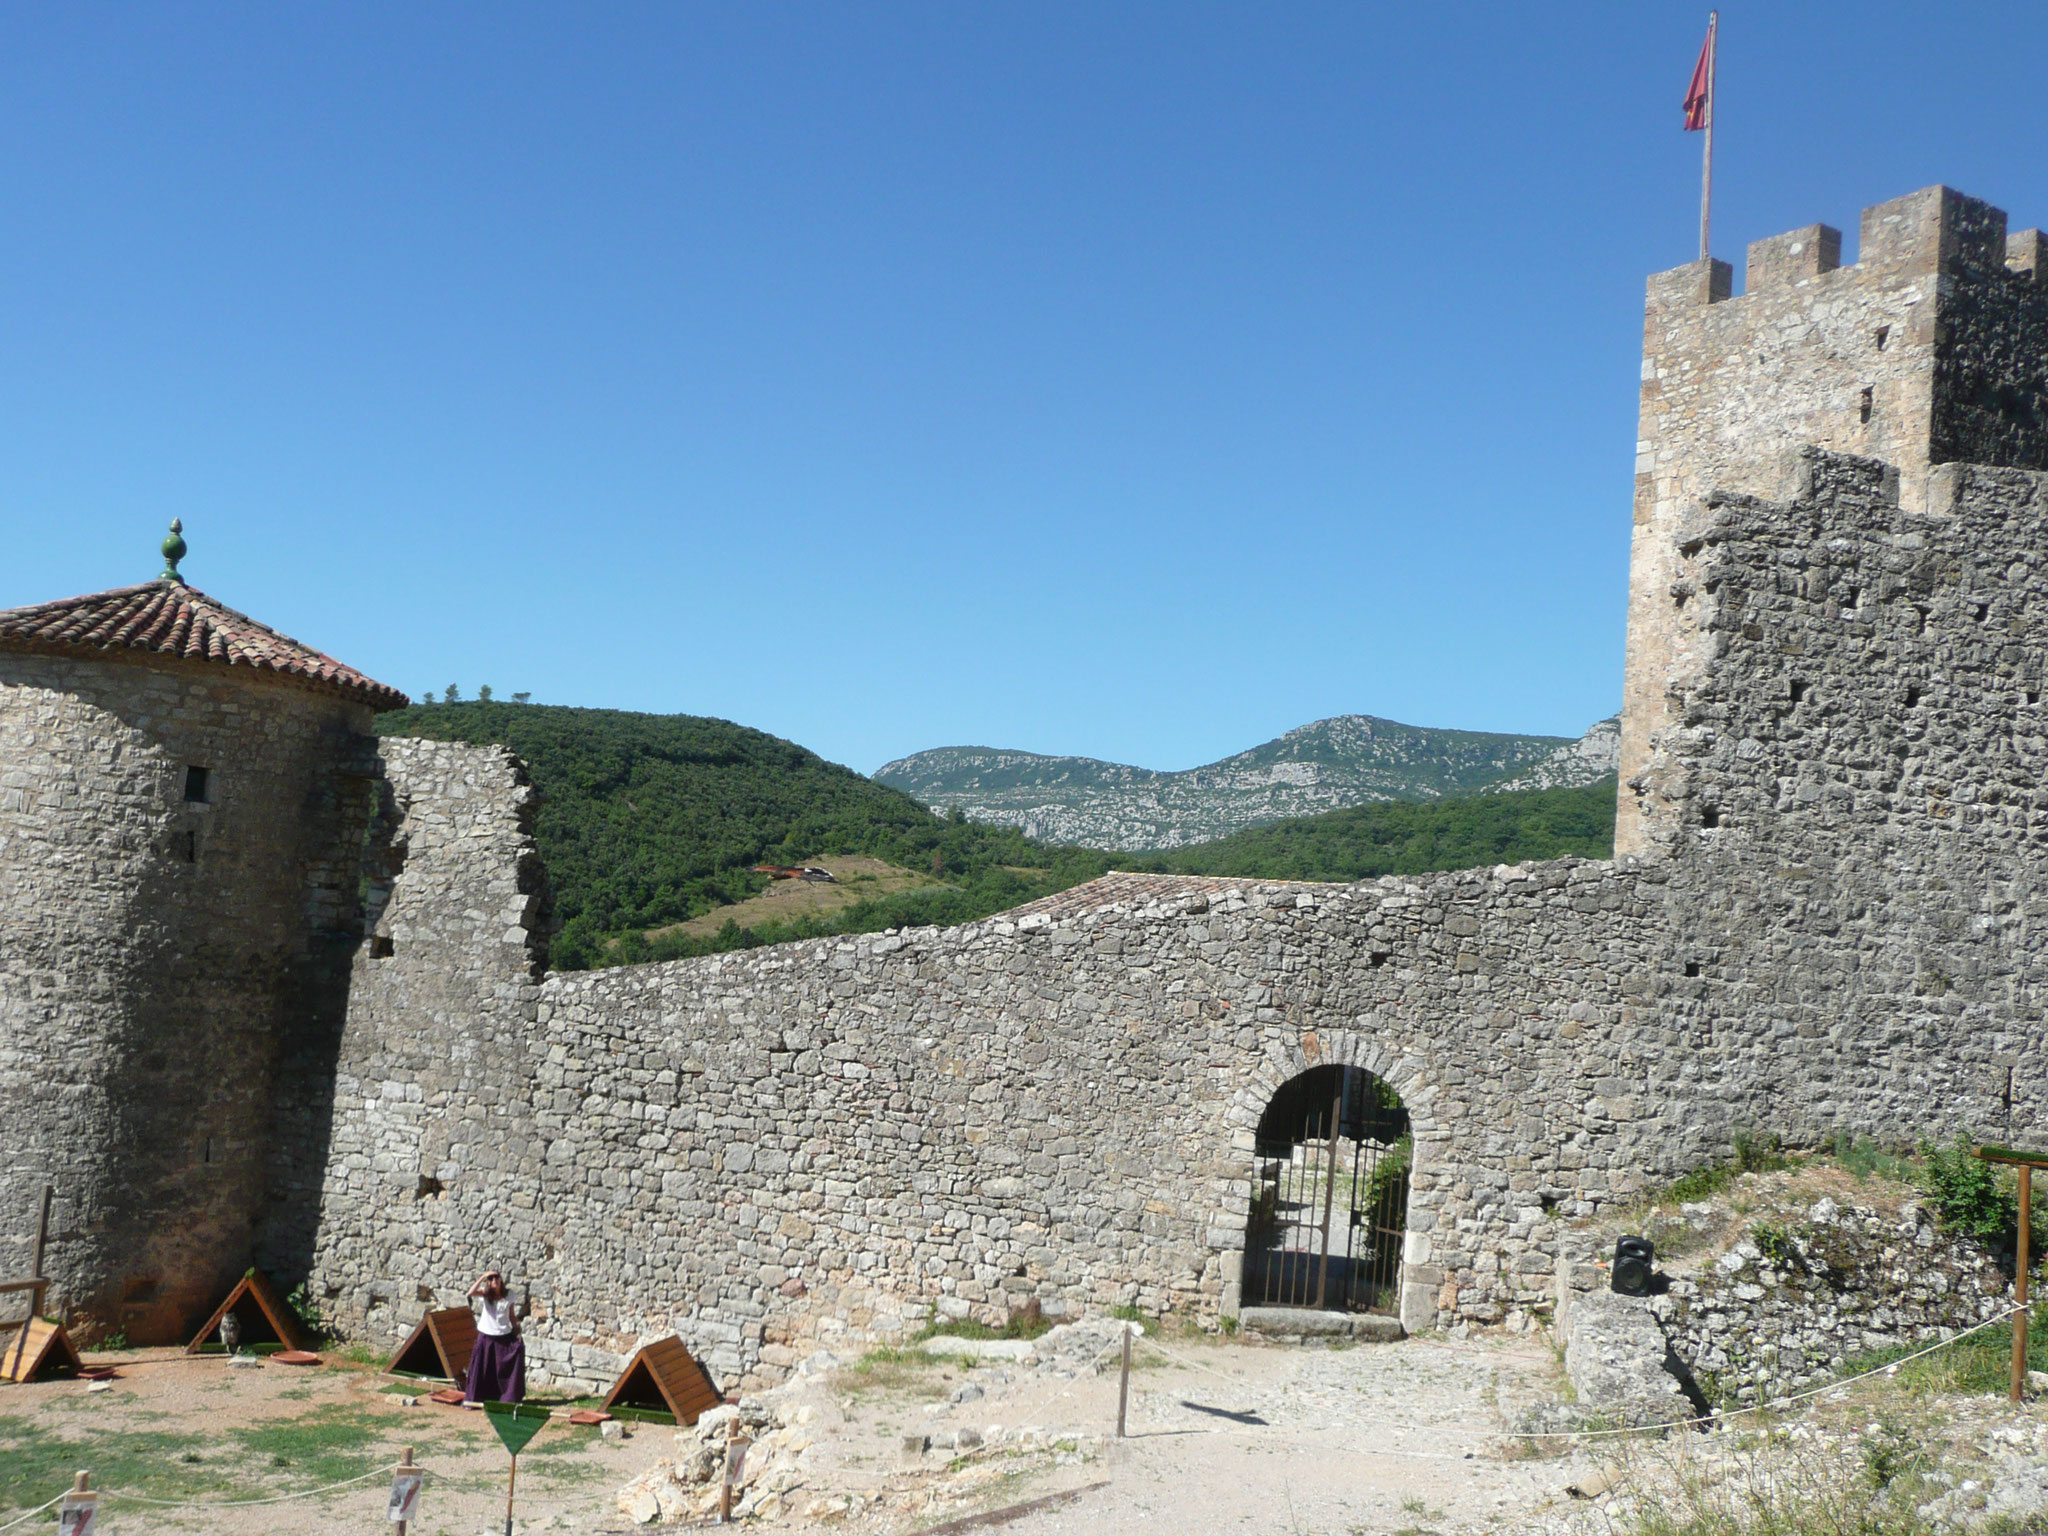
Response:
column 1707, row 160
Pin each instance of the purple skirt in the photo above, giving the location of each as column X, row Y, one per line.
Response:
column 497, row 1370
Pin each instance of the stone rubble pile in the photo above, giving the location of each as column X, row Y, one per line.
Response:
column 687, row 1485
column 778, row 1478
column 1790, row 1304
column 1074, row 1350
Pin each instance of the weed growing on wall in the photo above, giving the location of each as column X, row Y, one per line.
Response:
column 1974, row 1198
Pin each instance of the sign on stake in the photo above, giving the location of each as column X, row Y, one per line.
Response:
column 515, row 1426
column 405, row 1491
column 80, row 1511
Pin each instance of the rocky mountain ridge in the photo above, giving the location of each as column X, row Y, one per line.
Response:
column 1323, row 766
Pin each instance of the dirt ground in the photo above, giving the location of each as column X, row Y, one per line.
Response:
column 1406, row 1439
column 1223, row 1436
column 196, row 1433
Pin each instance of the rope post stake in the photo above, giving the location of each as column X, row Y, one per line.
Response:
column 1123, row 1386
column 2026, row 1163
column 2019, row 1285
column 735, row 1459
column 80, row 1509
column 405, row 1490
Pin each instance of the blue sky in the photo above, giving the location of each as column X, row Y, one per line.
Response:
column 1131, row 380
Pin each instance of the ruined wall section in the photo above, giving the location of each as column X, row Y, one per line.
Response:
column 764, row 1150
column 1929, row 349
column 1858, row 771
column 154, row 952
column 409, row 1161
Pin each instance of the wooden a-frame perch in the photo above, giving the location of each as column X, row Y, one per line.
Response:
column 36, row 1349
column 254, row 1286
column 665, row 1376
column 439, row 1347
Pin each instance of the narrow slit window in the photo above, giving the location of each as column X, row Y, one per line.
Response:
column 196, row 785
column 191, row 847
column 1863, row 406
column 381, row 947
column 1710, row 815
column 1881, row 335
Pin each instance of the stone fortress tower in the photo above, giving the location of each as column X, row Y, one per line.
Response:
column 1932, row 349
column 183, row 798
column 272, row 990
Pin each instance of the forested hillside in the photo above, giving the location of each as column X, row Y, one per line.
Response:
column 647, row 821
column 1368, row 841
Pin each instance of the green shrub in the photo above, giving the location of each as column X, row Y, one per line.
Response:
column 1701, row 1183
column 1862, row 1157
column 1759, row 1151
column 307, row 1308
column 1967, row 1194
column 1774, row 1243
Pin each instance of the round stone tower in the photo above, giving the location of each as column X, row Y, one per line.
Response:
column 183, row 797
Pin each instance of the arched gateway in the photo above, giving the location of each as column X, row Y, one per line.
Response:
column 1330, row 1195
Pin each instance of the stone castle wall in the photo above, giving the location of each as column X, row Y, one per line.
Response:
column 1927, row 350
column 405, row 1160
column 765, row 1149
column 311, row 1021
column 154, row 955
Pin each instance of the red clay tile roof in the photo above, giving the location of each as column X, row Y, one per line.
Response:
column 168, row 618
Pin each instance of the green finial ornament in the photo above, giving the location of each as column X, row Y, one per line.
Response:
column 174, row 551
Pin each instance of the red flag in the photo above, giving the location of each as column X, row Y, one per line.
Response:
column 1699, row 96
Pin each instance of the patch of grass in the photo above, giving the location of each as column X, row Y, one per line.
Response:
column 1980, row 1363
column 325, row 1446
column 1759, row 1151
column 1700, row 1184
column 1771, row 1484
column 36, row 1462
column 1023, row 1325
column 1862, row 1158
column 890, row 1369
column 359, row 1354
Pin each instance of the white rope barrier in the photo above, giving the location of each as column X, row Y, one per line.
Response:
column 39, row 1509
column 1777, row 1402
column 275, row 1498
column 1648, row 1429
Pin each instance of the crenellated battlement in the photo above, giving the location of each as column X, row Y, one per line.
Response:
column 1935, row 230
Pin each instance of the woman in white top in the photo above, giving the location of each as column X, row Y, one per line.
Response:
column 497, row 1365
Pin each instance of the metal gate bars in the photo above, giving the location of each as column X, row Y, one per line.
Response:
column 1330, row 1204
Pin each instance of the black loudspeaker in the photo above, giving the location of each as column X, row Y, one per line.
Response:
column 1635, row 1261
